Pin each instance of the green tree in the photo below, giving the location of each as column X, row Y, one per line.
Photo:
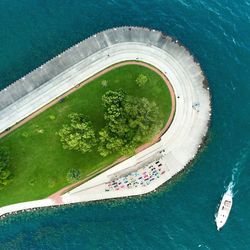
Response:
column 141, row 80
column 73, row 175
column 5, row 174
column 108, row 142
column 129, row 121
column 79, row 135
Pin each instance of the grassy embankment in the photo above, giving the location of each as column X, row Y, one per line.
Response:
column 38, row 161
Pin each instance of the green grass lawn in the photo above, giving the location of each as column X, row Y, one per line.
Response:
column 38, row 161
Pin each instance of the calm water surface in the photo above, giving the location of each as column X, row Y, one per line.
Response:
column 181, row 214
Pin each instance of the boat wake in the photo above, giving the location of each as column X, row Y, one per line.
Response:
column 227, row 199
column 236, row 172
column 234, row 179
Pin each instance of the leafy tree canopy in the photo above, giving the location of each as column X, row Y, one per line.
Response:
column 73, row 175
column 129, row 121
column 79, row 135
column 5, row 174
column 141, row 80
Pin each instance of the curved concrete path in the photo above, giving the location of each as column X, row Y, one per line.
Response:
column 177, row 147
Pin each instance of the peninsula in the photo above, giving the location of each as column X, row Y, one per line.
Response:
column 160, row 70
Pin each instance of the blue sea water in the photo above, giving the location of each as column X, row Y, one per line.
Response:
column 181, row 214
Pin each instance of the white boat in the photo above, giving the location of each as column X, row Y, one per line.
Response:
column 224, row 210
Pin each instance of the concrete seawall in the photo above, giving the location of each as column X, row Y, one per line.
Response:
column 178, row 146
